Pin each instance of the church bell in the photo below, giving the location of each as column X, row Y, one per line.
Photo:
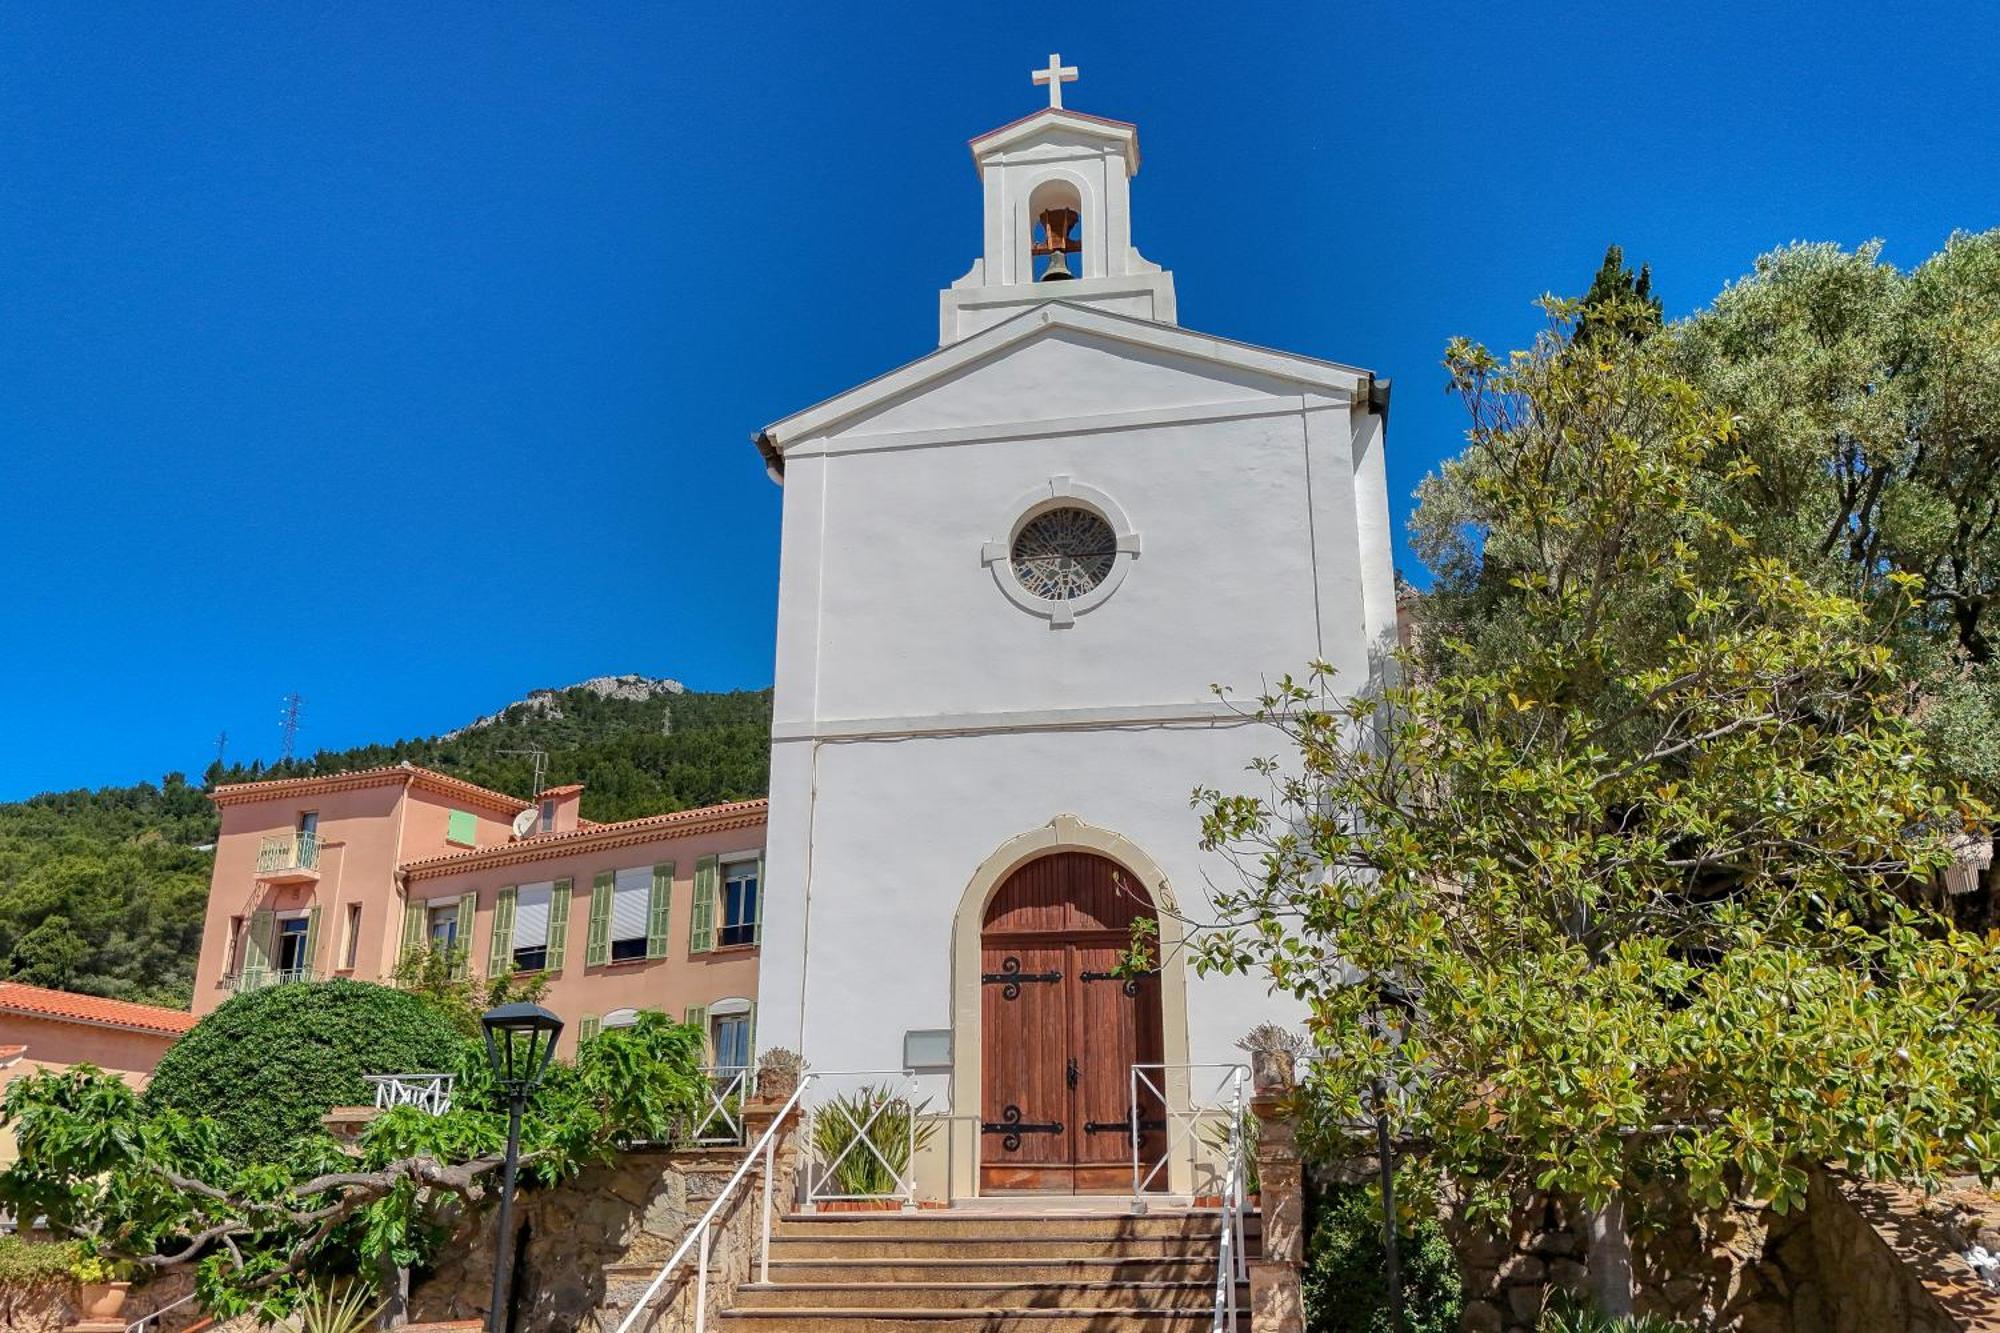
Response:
column 1058, row 241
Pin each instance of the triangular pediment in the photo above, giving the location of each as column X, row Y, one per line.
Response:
column 1059, row 362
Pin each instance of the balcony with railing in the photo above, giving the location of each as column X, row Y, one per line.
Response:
column 250, row 979
column 289, row 858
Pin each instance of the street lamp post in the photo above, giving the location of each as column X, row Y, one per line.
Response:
column 520, row 1042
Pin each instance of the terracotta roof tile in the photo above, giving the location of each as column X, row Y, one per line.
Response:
column 570, row 789
column 70, row 1007
column 383, row 775
column 542, row 846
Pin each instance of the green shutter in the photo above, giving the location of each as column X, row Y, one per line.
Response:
column 462, row 828
column 597, row 950
column 468, row 914
column 312, row 944
column 757, row 921
column 558, row 927
column 500, row 954
column 697, row 1017
column 586, row 1030
column 257, row 947
column 413, row 927
column 701, row 921
column 659, row 910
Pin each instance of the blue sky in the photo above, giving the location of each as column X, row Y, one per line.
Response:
column 407, row 356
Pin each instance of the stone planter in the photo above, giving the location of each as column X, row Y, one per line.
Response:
column 101, row 1301
column 859, row 1206
column 776, row 1084
column 1273, row 1071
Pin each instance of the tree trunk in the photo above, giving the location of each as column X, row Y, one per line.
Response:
column 395, row 1290
column 1608, row 1256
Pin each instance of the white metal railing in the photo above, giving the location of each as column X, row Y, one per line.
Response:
column 271, row 976
column 700, row 1238
column 288, row 851
column 721, row 1123
column 150, row 1323
column 843, row 1133
column 1223, row 1098
column 426, row 1092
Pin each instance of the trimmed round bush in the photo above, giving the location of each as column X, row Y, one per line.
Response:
column 268, row 1064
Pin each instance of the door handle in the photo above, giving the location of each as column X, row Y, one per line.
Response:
column 1069, row 1074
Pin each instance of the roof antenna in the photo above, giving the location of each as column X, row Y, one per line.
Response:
column 541, row 761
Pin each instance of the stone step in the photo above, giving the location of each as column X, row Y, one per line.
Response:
column 966, row 1224
column 1045, row 1245
column 1081, row 1319
column 892, row 1295
column 930, row 1271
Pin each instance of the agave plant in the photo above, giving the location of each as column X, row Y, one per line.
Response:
column 864, row 1139
column 338, row 1307
column 1570, row 1316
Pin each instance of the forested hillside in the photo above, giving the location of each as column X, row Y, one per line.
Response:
column 102, row 891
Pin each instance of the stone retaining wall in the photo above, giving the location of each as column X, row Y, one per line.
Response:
column 629, row 1215
column 1856, row 1259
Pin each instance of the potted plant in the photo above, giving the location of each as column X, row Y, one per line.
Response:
column 778, row 1074
column 101, row 1290
column 1274, row 1057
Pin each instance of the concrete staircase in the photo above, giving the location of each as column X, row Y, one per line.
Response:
column 989, row 1272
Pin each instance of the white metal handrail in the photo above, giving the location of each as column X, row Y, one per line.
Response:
column 857, row 1137
column 149, row 1323
column 1226, row 1098
column 426, row 1092
column 721, row 1123
column 701, row 1235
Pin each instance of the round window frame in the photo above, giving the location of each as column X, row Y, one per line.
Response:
column 1061, row 493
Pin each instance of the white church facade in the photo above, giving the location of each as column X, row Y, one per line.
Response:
column 1012, row 570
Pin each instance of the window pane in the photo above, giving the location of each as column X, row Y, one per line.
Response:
column 630, row 899
column 531, row 916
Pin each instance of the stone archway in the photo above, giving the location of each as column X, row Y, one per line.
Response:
column 1063, row 833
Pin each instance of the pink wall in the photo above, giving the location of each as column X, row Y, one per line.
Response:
column 55, row 1044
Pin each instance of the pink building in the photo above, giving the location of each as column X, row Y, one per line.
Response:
column 341, row 876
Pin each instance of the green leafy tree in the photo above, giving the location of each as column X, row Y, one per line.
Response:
column 155, row 1188
column 444, row 979
column 48, row 955
column 1631, row 841
column 1866, row 403
column 1619, row 303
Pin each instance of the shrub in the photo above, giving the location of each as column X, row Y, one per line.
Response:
column 1344, row 1287
column 863, row 1139
column 1567, row 1315
column 30, row 1264
column 268, row 1064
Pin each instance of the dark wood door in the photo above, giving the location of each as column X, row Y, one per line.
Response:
column 1060, row 1031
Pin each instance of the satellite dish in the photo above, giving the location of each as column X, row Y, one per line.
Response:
column 524, row 823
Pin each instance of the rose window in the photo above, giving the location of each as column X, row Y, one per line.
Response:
column 1064, row 553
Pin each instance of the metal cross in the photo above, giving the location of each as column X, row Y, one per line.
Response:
column 1056, row 75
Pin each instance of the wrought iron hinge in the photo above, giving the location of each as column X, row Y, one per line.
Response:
column 1010, row 976
column 1013, row 1127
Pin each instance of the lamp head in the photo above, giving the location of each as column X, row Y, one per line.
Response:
column 520, row 1042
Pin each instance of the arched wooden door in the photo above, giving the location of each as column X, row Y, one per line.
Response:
column 1059, row 1032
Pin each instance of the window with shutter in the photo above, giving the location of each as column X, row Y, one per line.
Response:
column 531, row 926
column 660, row 913
column 586, row 1030
column 310, row 957
column 739, row 903
column 558, row 926
column 701, row 919
column 461, row 828
column 631, row 912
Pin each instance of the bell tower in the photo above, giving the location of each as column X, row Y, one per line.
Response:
column 1058, row 220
